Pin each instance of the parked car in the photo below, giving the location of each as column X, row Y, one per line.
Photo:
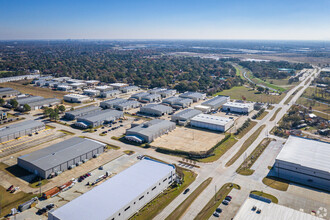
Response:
column 218, row 210
column 228, row 198
column 186, row 191
column 225, row 202
column 10, row 188
column 216, row 215
column 50, row 206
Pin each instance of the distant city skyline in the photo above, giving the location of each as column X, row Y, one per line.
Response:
column 146, row 19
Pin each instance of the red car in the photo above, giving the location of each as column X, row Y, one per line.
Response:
column 10, row 188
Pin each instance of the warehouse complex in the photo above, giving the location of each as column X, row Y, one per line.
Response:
column 195, row 96
column 149, row 131
column 129, row 89
column 216, row 102
column 109, row 93
column 156, row 109
column 98, row 118
column 304, row 161
column 120, row 197
column 254, row 209
column 8, row 92
column 71, row 115
column 238, row 107
column 139, row 96
column 76, row 98
column 20, row 129
column 177, row 102
column 151, row 98
column 92, row 92
column 60, row 157
column 212, row 122
column 40, row 103
column 184, row 116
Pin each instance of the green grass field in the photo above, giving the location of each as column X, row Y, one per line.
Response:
column 246, row 130
column 265, row 83
column 275, row 183
column 250, row 95
column 265, row 195
column 274, row 115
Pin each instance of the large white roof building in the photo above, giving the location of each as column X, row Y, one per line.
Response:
column 238, row 107
column 122, row 195
column 269, row 211
column 305, row 161
column 212, row 122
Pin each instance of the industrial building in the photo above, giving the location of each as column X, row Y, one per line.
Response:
column 3, row 115
column 212, row 122
column 91, row 92
column 151, row 98
column 92, row 82
column 238, row 107
column 167, row 93
column 109, row 93
column 20, row 129
column 203, row 108
column 71, row 115
column 41, row 103
column 28, row 99
column 156, row 109
column 8, row 92
column 119, row 197
column 118, row 85
column 139, row 96
column 98, row 118
column 257, row 209
column 17, row 78
column 77, row 85
column 195, row 96
column 63, row 87
column 120, row 104
column 184, row 116
column 156, row 90
column 59, row 157
column 76, row 98
column 129, row 89
column 304, row 161
column 103, row 88
column 216, row 102
column 149, row 131
column 177, row 102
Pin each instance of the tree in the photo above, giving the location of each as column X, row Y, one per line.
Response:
column 61, row 108
column 13, row 103
column 2, row 101
column 26, row 108
column 260, row 89
column 47, row 111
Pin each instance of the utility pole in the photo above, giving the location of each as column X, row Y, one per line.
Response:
column 215, row 193
column 40, row 185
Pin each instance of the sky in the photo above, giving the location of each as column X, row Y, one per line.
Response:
column 165, row 19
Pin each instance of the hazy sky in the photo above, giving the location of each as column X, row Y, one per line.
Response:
column 165, row 19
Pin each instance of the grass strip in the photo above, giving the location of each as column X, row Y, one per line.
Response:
column 262, row 115
column 154, row 207
column 246, row 130
column 276, row 183
column 292, row 95
column 181, row 209
column 214, row 203
column 265, row 195
column 274, row 115
column 219, row 151
column 244, row 168
column 245, row 145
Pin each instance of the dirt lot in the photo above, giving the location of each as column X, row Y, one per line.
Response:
column 29, row 89
column 189, row 139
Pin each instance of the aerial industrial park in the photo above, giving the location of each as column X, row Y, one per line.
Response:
column 113, row 156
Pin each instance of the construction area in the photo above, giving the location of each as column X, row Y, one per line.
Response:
column 189, row 139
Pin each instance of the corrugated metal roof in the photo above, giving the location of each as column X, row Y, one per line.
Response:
column 27, row 100
column 158, row 107
column 306, row 152
column 106, row 199
column 101, row 115
column 10, row 129
column 151, row 127
column 187, row 114
column 270, row 211
column 216, row 100
column 80, row 111
column 192, row 94
column 62, row 152
column 212, row 119
column 237, row 104
column 114, row 101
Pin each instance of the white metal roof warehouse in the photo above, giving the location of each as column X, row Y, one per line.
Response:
column 304, row 161
column 121, row 196
column 212, row 122
column 269, row 211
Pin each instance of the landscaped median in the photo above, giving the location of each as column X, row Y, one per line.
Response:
column 265, row 195
column 276, row 183
column 245, row 145
column 244, row 168
column 214, row 203
column 153, row 208
column 181, row 209
column 291, row 96
column 275, row 114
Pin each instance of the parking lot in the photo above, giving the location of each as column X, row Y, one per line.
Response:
column 189, row 139
column 114, row 167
